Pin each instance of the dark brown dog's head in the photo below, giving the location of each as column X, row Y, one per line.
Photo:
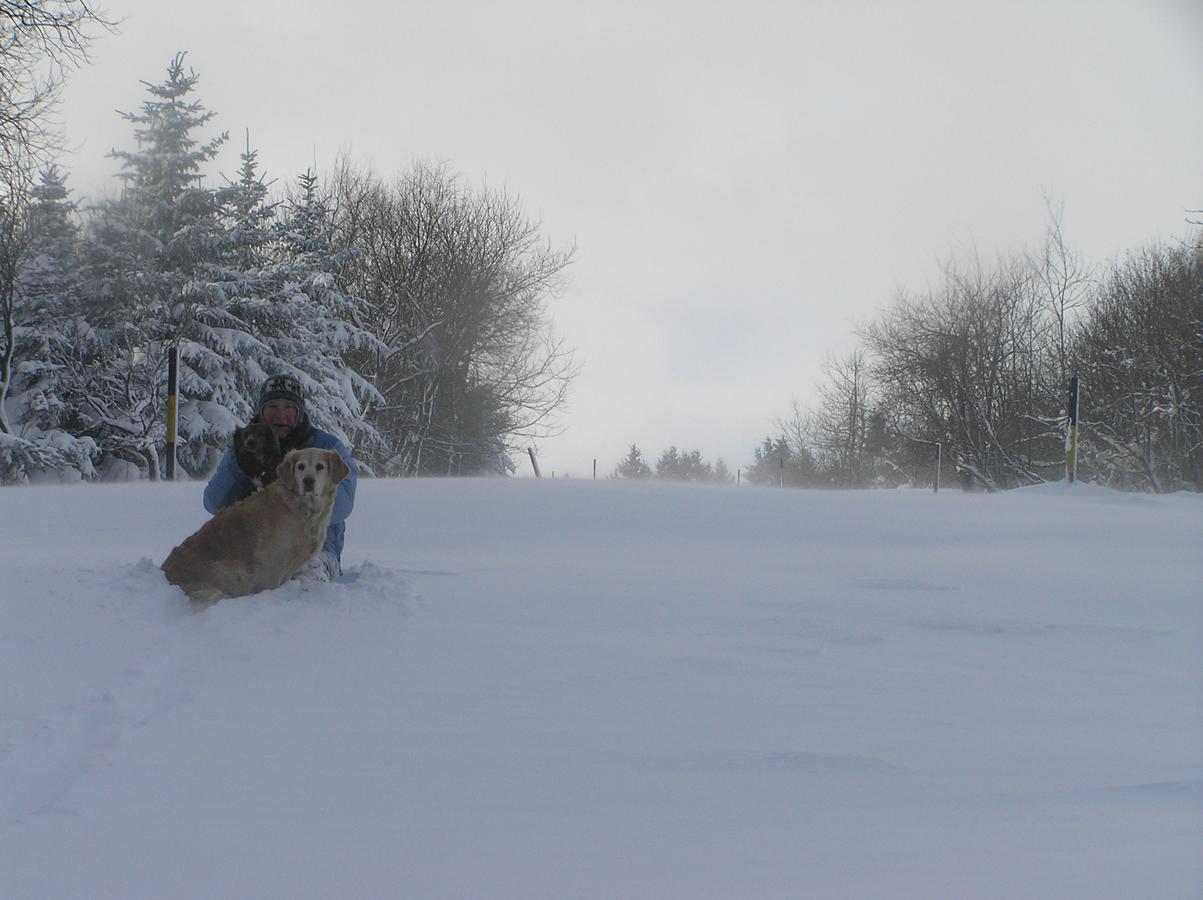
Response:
column 312, row 472
column 257, row 452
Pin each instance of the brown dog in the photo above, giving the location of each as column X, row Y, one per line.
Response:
column 257, row 450
column 259, row 543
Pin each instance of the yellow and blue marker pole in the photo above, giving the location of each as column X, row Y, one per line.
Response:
column 173, row 384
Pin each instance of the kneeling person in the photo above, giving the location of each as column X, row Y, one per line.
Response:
column 282, row 406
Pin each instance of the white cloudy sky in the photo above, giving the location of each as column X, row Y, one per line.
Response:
column 746, row 182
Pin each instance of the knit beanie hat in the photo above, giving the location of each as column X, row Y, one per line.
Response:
column 281, row 387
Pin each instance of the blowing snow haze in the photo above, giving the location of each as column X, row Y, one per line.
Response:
column 745, row 183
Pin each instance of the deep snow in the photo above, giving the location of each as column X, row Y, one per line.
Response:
column 555, row 689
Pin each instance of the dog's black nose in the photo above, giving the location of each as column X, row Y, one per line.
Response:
column 307, row 484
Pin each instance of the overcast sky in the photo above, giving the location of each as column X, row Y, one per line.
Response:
column 746, row 182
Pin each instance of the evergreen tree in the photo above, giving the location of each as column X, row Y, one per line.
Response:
column 315, row 326
column 633, row 466
column 885, row 452
column 156, row 280
column 211, row 272
column 51, row 339
column 674, row 465
column 175, row 263
column 164, row 197
column 777, row 461
column 247, row 216
column 47, row 293
column 52, row 215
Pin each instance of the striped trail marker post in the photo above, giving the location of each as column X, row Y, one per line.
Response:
column 173, row 387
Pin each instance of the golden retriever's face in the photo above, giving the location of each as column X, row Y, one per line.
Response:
column 312, row 472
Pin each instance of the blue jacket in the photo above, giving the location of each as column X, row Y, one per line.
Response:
column 228, row 484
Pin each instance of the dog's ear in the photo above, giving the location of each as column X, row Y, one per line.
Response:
column 338, row 466
column 285, row 472
column 237, row 433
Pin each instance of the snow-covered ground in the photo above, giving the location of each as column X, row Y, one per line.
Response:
column 555, row 689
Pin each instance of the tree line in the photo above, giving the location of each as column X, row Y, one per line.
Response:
column 412, row 310
column 673, row 465
column 981, row 365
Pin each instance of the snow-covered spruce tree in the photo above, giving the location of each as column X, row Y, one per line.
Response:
column 247, row 216
column 150, row 286
column 175, row 263
column 51, row 341
column 278, row 280
column 209, row 271
column 312, row 324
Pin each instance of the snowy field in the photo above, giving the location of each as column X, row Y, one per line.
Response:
column 565, row 689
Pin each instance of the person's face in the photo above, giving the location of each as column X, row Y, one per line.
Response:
column 281, row 416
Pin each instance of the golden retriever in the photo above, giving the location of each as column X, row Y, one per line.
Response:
column 262, row 541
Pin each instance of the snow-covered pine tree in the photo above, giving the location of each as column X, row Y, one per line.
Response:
column 320, row 320
column 248, row 253
column 167, row 269
column 40, row 441
column 144, row 250
column 53, row 339
column 247, row 216
column 49, row 282
column 43, row 284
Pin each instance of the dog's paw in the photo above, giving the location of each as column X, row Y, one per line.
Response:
column 322, row 568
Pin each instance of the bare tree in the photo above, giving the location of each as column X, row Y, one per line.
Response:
column 962, row 366
column 40, row 40
column 14, row 243
column 840, row 426
column 456, row 282
column 1064, row 282
column 1140, row 353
